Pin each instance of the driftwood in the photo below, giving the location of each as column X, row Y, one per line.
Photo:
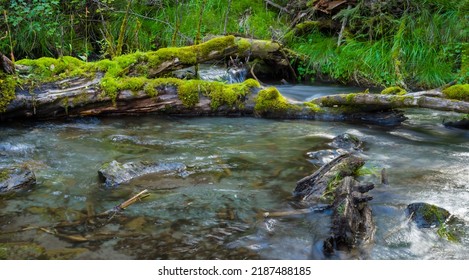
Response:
column 383, row 101
column 352, row 221
column 320, row 184
column 6, row 65
column 128, row 202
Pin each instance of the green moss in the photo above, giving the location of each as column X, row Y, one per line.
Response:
column 399, row 100
column 7, row 90
column 140, row 64
column 4, row 174
column 270, row 100
column 150, row 89
column 190, row 54
column 51, row 69
column 458, row 92
column 313, row 106
column 243, row 44
column 230, row 95
column 350, row 98
column 188, row 92
column 394, row 91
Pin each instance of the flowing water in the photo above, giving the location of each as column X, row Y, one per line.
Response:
column 238, row 169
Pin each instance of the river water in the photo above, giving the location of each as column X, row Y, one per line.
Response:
column 238, row 169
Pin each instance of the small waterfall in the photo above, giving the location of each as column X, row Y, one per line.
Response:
column 229, row 75
column 236, row 75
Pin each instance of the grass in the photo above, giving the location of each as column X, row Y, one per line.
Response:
column 422, row 49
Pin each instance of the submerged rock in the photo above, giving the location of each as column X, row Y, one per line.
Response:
column 17, row 149
column 426, row 215
column 461, row 124
column 347, row 142
column 322, row 157
column 115, row 173
column 14, row 179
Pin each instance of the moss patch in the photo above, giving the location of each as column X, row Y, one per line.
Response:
column 394, row 91
column 270, row 100
column 4, row 174
column 313, row 106
column 219, row 93
column 50, row 69
column 7, row 90
column 458, row 92
column 116, row 71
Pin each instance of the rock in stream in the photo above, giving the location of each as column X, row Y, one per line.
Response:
column 426, row 215
column 15, row 179
column 115, row 173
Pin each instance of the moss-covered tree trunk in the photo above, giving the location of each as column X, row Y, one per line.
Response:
column 138, row 83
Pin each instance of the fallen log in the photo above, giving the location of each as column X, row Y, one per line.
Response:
column 321, row 184
column 129, row 85
column 351, row 223
column 383, row 101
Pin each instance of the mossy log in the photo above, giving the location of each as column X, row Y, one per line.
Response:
column 320, row 185
column 137, row 83
column 384, row 101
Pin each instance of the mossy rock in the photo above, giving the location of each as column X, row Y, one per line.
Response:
column 458, row 92
column 394, row 91
column 427, row 215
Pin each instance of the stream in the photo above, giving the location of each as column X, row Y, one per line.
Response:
column 238, row 168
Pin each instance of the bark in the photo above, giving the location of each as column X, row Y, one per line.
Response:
column 6, row 65
column 382, row 101
column 352, row 223
column 352, row 220
column 317, row 186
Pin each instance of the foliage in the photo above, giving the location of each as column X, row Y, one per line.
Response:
column 422, row 44
column 406, row 43
column 82, row 28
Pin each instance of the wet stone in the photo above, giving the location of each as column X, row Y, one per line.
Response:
column 461, row 124
column 347, row 142
column 18, row 149
column 426, row 215
column 16, row 179
column 115, row 173
column 323, row 156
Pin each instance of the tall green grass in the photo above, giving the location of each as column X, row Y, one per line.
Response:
column 422, row 48
column 53, row 27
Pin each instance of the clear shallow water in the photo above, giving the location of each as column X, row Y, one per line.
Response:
column 239, row 168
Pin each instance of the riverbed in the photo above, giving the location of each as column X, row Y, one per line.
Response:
column 237, row 169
